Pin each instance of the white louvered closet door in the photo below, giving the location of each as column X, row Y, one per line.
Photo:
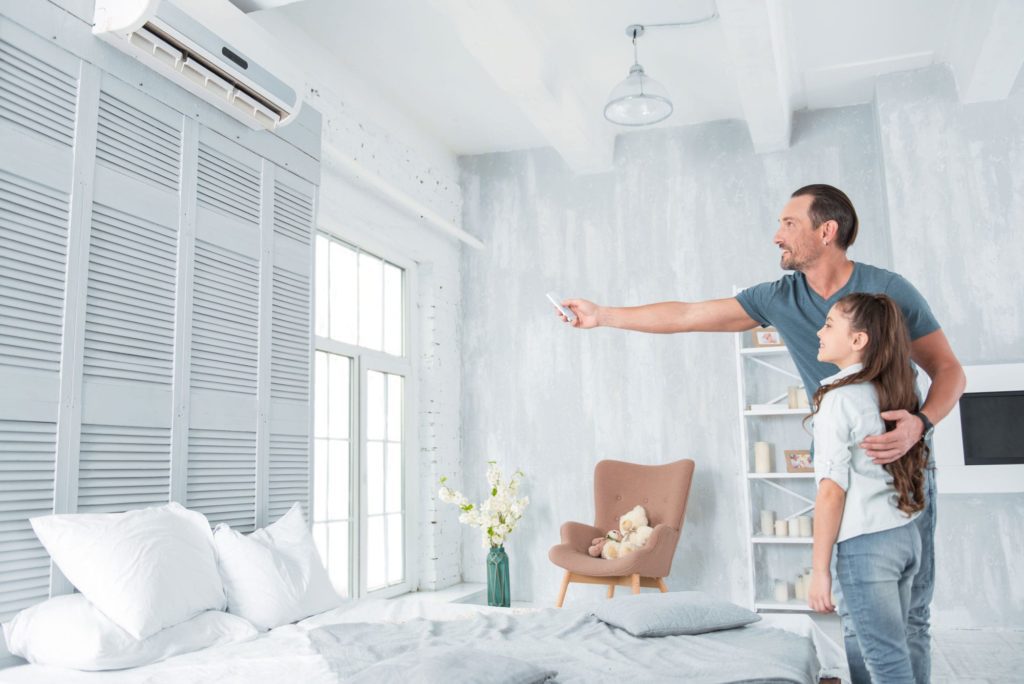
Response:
column 288, row 478
column 38, row 91
column 154, row 297
column 221, row 479
column 128, row 356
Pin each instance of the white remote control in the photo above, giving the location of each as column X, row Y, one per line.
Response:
column 557, row 301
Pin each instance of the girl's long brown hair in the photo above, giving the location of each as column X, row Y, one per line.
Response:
column 886, row 359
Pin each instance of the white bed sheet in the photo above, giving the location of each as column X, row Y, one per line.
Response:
column 286, row 654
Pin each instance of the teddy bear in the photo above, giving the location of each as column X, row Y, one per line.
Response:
column 597, row 544
column 634, row 527
column 632, row 534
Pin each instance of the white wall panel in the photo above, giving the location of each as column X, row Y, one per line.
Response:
column 222, row 476
column 27, row 451
column 38, row 91
column 136, row 286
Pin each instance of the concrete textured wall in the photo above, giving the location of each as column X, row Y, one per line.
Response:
column 954, row 178
column 686, row 214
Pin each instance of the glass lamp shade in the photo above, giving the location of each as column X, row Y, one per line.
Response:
column 638, row 101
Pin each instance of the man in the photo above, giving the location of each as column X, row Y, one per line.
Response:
column 816, row 227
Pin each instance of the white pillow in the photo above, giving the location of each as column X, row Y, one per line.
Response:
column 68, row 631
column 274, row 575
column 145, row 569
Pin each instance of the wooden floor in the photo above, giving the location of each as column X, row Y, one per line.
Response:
column 961, row 656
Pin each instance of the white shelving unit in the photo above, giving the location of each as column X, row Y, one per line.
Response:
column 771, row 558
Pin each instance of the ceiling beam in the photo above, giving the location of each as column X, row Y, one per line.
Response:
column 545, row 89
column 248, row 6
column 988, row 48
column 753, row 34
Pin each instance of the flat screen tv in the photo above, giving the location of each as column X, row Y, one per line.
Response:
column 992, row 424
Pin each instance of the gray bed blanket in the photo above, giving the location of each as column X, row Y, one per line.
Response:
column 579, row 647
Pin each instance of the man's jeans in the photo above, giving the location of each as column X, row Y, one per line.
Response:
column 861, row 639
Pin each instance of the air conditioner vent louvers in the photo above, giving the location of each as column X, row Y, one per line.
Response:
column 206, row 74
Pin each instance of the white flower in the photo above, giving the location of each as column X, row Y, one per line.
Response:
column 497, row 516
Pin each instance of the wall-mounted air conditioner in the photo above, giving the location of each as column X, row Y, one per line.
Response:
column 211, row 48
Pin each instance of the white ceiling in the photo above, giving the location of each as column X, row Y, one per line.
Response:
column 512, row 74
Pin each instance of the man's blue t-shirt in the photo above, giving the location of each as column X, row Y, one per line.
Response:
column 798, row 312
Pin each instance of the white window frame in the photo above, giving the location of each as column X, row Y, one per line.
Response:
column 364, row 360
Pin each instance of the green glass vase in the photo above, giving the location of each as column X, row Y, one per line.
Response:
column 498, row 593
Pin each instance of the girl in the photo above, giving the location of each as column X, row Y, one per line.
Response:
column 861, row 506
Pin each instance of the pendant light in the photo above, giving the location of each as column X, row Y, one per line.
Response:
column 640, row 100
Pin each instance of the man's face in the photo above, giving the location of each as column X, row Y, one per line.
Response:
column 796, row 237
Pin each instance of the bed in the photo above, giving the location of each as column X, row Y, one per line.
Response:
column 339, row 644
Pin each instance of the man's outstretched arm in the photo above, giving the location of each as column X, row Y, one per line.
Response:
column 934, row 355
column 715, row 315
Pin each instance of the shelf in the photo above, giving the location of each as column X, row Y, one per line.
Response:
column 779, row 476
column 781, row 411
column 782, row 540
column 758, row 351
column 789, row 605
column 770, row 556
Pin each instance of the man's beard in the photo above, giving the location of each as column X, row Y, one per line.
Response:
column 790, row 263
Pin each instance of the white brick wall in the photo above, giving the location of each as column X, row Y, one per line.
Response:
column 440, row 436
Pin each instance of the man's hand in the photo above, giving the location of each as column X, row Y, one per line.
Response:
column 892, row 445
column 586, row 312
column 819, row 595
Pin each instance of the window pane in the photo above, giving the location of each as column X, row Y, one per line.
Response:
column 374, row 478
column 393, row 309
column 393, row 475
column 375, row 405
column 337, row 563
column 320, row 480
column 320, row 396
column 337, row 474
column 375, row 553
column 338, row 420
column 320, row 539
column 395, row 549
column 343, row 293
column 395, row 407
column 371, row 301
column 321, row 292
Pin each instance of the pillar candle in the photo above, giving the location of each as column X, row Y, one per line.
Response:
column 762, row 457
column 781, row 591
column 781, row 528
column 799, row 588
column 767, row 523
column 793, row 396
column 794, row 527
column 802, row 398
column 805, row 525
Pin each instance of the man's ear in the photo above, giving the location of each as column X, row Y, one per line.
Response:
column 829, row 229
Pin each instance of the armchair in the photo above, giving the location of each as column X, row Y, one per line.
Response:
column 618, row 486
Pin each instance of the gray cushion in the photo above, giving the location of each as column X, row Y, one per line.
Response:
column 678, row 612
column 445, row 664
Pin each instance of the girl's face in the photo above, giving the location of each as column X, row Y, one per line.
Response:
column 839, row 344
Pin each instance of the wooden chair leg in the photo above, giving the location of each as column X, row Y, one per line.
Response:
column 611, row 590
column 636, row 583
column 661, row 585
column 565, row 588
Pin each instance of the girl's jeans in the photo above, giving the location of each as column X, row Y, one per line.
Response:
column 878, row 575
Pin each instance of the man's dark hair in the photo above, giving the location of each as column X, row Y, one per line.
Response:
column 832, row 204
